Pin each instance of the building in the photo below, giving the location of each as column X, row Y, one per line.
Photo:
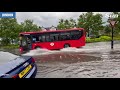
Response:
column 49, row 28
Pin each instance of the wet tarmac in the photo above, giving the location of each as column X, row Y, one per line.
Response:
column 95, row 60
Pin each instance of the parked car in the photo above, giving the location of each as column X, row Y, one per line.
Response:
column 19, row 67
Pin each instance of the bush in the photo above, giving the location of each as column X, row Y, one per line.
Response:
column 10, row 47
column 117, row 38
column 97, row 40
column 89, row 40
column 100, row 39
column 105, row 38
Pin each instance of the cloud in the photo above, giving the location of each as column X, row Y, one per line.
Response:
column 48, row 19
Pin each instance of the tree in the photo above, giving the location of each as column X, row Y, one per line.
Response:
column 7, row 29
column 66, row 24
column 10, row 29
column 28, row 26
column 92, row 23
column 61, row 24
column 97, row 24
column 107, row 30
column 72, row 23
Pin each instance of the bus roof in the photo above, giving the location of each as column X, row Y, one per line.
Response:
column 36, row 32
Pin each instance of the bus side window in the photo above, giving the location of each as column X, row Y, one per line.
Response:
column 52, row 38
column 68, row 37
column 35, row 38
column 40, row 38
column 43, row 38
column 47, row 38
column 81, row 33
column 56, row 38
column 75, row 35
column 65, row 36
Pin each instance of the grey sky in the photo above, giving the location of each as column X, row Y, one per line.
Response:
column 48, row 19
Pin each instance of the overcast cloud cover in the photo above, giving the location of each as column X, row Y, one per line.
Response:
column 47, row 19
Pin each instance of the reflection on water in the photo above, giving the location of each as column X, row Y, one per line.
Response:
column 67, row 58
column 95, row 60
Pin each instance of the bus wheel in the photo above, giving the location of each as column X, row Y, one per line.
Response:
column 37, row 47
column 66, row 45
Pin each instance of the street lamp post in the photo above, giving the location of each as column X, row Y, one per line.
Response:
column 112, row 23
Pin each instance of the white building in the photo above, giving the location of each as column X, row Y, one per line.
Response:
column 52, row 28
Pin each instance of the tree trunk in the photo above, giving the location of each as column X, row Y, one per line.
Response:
column 88, row 33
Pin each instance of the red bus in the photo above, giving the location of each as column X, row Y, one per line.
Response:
column 52, row 40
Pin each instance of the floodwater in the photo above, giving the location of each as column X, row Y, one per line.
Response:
column 95, row 60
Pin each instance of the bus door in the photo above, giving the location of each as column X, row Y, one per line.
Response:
column 26, row 43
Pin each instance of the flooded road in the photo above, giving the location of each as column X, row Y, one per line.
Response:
column 95, row 60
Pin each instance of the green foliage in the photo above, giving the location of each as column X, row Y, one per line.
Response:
column 66, row 24
column 100, row 39
column 117, row 37
column 97, row 40
column 10, row 29
column 10, row 47
column 89, row 40
column 92, row 23
column 107, row 30
column 105, row 38
column 28, row 25
column 61, row 24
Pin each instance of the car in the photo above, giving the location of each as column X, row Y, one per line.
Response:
column 17, row 66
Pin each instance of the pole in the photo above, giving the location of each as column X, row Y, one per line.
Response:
column 112, row 39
